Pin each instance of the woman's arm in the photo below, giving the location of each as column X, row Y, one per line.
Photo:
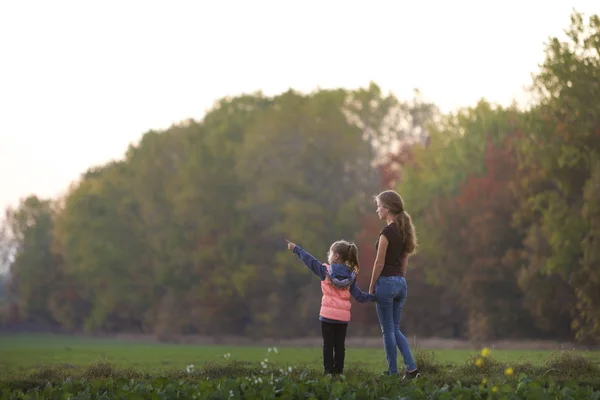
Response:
column 379, row 262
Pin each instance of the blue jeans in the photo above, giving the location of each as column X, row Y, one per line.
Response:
column 390, row 293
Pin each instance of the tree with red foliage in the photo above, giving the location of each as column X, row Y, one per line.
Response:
column 435, row 315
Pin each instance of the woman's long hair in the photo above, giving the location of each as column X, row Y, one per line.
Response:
column 395, row 205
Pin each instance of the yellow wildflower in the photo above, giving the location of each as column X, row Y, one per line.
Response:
column 484, row 381
column 485, row 352
column 509, row 371
column 479, row 362
column 495, row 389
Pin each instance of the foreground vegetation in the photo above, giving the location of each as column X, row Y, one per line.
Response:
column 57, row 367
column 302, row 386
column 565, row 375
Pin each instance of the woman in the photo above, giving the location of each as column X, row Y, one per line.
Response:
column 396, row 242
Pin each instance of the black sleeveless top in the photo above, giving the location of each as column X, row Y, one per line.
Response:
column 395, row 251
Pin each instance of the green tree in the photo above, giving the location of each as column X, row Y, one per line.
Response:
column 97, row 238
column 36, row 271
column 558, row 158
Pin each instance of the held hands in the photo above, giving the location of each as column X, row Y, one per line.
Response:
column 372, row 292
column 290, row 245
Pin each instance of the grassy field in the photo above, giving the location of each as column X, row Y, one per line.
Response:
column 52, row 366
column 29, row 351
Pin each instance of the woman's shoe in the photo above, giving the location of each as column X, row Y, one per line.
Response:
column 412, row 374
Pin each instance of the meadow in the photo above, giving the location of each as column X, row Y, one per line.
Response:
column 54, row 366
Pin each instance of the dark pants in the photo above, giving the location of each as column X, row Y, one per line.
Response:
column 334, row 347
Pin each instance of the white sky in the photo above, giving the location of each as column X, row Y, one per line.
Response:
column 80, row 80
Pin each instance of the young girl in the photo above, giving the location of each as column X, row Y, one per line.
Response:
column 338, row 282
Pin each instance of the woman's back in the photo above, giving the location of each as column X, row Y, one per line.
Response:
column 394, row 264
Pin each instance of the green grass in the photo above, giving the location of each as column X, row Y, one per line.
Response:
column 30, row 351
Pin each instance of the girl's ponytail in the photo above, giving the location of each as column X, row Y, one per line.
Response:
column 352, row 261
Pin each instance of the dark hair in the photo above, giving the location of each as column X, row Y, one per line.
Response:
column 393, row 202
column 348, row 253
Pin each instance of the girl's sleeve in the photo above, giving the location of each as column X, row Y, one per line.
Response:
column 359, row 295
column 312, row 263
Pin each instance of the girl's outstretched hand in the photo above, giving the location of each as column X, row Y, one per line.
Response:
column 290, row 245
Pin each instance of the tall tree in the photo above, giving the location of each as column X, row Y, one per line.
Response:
column 36, row 271
column 559, row 154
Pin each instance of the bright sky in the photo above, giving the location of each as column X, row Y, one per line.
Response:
column 80, row 80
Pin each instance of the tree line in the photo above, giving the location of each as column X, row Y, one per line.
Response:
column 185, row 234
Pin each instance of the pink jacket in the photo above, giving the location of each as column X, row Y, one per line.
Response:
column 335, row 303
